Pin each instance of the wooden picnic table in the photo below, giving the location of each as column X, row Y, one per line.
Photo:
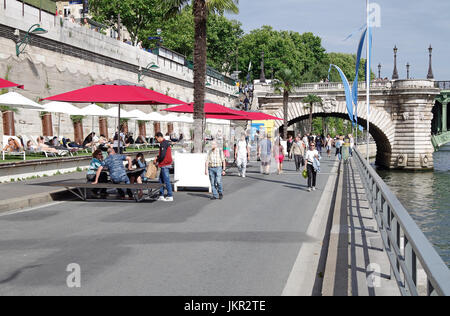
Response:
column 81, row 189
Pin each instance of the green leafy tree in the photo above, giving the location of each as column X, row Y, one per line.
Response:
column 302, row 53
column 222, row 37
column 201, row 8
column 309, row 101
column 135, row 15
column 347, row 62
column 285, row 83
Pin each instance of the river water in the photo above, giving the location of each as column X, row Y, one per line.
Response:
column 426, row 195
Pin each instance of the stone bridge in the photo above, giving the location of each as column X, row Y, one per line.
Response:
column 400, row 122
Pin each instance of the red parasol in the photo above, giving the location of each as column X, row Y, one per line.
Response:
column 259, row 116
column 116, row 92
column 210, row 108
column 228, row 117
column 8, row 84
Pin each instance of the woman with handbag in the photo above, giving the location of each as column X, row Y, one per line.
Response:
column 311, row 156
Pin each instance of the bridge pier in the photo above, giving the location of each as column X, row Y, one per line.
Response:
column 412, row 103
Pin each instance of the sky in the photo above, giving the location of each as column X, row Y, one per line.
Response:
column 412, row 25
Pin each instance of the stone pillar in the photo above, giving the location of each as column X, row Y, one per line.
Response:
column 413, row 102
column 103, row 126
column 142, row 129
column 157, row 127
column 47, row 124
column 444, row 116
column 8, row 123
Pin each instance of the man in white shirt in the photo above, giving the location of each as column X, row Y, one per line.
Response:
column 306, row 141
column 241, row 154
column 352, row 144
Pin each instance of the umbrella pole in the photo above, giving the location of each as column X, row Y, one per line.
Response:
column 118, row 134
column 59, row 125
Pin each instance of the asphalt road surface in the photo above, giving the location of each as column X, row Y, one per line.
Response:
column 245, row 244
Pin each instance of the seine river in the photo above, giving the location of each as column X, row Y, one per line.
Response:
column 426, row 195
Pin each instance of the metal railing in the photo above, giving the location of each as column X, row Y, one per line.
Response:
column 396, row 225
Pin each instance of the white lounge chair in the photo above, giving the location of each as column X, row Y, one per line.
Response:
column 10, row 153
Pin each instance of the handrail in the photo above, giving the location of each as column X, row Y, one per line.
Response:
column 394, row 222
column 443, row 85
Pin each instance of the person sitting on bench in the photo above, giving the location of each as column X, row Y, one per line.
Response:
column 96, row 163
column 117, row 172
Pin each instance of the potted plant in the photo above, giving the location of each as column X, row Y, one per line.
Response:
column 77, row 121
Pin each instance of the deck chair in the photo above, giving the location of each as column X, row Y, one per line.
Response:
column 8, row 153
column 59, row 153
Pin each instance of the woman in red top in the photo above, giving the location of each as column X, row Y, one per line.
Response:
column 280, row 158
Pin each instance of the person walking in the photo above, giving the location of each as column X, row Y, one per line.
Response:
column 352, row 144
column 298, row 151
column 265, row 150
column 311, row 156
column 290, row 142
column 329, row 144
column 339, row 143
column 306, row 141
column 319, row 143
column 215, row 167
column 241, row 155
column 164, row 162
column 279, row 154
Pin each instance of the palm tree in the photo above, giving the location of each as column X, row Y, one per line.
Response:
column 310, row 100
column 285, row 83
column 201, row 9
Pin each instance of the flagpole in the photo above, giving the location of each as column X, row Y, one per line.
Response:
column 368, row 78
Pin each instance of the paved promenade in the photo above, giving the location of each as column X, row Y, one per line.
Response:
column 246, row 244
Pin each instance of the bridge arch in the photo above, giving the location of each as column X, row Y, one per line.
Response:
column 382, row 128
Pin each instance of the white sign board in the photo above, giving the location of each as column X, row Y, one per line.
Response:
column 190, row 171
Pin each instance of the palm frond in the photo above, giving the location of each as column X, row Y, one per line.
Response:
column 221, row 6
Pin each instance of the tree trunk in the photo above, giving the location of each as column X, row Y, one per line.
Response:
column 310, row 118
column 103, row 126
column 200, row 18
column 285, row 110
column 47, row 125
column 8, row 123
column 142, row 129
column 78, row 132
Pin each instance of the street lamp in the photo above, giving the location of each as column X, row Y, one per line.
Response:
column 142, row 72
column 395, row 74
column 379, row 71
column 35, row 29
column 407, row 70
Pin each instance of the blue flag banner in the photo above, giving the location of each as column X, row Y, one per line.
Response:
column 358, row 62
column 370, row 61
column 348, row 92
